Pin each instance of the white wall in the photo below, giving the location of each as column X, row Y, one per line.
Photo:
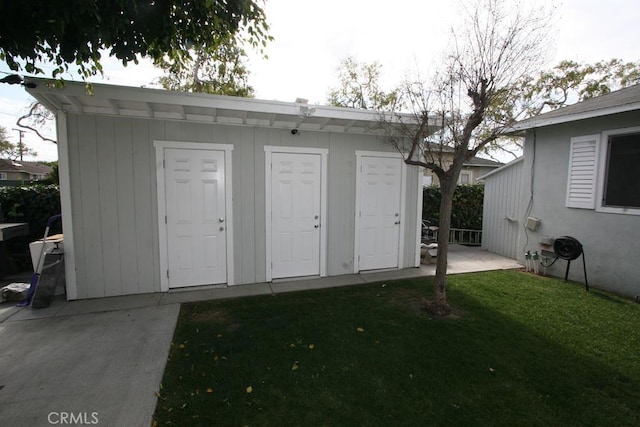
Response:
column 502, row 211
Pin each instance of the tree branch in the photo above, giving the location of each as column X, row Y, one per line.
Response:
column 28, row 115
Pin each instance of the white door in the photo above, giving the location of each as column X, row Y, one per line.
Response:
column 295, row 214
column 196, row 219
column 379, row 216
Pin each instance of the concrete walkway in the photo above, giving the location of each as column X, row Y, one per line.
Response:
column 101, row 361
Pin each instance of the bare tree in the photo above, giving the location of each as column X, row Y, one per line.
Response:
column 470, row 101
column 36, row 119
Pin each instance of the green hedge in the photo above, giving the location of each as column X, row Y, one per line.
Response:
column 467, row 206
column 33, row 204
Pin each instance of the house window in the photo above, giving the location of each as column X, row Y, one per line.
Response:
column 3, row 176
column 621, row 180
column 602, row 172
column 465, row 178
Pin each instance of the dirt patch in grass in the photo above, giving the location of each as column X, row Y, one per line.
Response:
column 414, row 301
column 406, row 298
column 213, row 315
column 431, row 308
column 216, row 316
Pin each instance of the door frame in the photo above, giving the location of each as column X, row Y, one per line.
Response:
column 323, row 153
column 163, row 243
column 403, row 201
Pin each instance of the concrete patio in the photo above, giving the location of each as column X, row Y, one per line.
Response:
column 103, row 359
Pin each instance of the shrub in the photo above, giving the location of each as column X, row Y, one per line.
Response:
column 467, row 206
column 34, row 205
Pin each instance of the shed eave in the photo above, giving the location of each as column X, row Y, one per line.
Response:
column 124, row 101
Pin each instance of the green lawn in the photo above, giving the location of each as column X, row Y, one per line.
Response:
column 523, row 350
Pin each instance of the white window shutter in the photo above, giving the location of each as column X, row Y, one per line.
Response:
column 581, row 179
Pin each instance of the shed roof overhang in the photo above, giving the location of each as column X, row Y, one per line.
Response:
column 123, row 101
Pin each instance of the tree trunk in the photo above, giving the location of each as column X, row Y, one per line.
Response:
column 447, row 188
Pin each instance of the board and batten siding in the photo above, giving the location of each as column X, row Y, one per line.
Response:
column 502, row 216
column 114, row 198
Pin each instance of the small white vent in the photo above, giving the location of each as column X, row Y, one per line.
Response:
column 581, row 179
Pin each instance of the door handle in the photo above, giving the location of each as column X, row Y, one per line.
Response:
column 220, row 219
column 397, row 222
column 316, row 226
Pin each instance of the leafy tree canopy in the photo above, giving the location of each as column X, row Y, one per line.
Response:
column 565, row 84
column 570, row 82
column 359, row 87
column 11, row 151
column 73, row 32
column 220, row 71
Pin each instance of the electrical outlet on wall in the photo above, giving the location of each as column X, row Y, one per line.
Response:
column 532, row 223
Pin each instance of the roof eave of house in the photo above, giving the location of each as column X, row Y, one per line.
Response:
column 542, row 121
column 501, row 168
column 481, row 165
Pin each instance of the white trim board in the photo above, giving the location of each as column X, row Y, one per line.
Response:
column 162, row 210
column 403, row 200
column 65, row 202
column 323, row 152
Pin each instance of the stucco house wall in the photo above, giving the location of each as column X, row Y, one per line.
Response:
column 579, row 179
column 611, row 241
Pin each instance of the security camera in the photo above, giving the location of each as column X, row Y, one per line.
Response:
column 294, row 131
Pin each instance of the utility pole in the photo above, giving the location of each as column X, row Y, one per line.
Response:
column 20, row 146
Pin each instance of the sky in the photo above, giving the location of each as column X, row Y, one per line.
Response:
column 311, row 37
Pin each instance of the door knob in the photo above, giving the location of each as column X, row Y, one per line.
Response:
column 221, row 229
column 316, row 226
column 220, row 219
column 397, row 222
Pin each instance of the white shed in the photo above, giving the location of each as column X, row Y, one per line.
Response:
column 164, row 190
